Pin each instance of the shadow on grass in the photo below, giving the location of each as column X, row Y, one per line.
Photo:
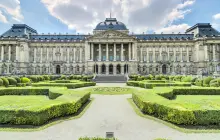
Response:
column 80, row 112
column 182, row 128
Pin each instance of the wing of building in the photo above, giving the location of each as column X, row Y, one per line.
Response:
column 110, row 50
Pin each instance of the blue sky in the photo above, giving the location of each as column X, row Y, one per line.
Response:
column 73, row 16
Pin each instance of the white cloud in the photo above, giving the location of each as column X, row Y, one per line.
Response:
column 173, row 28
column 12, row 8
column 216, row 16
column 3, row 18
column 138, row 15
column 216, row 21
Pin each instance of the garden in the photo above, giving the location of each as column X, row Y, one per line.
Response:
column 35, row 100
column 185, row 101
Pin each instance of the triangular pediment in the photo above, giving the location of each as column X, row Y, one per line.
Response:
column 110, row 34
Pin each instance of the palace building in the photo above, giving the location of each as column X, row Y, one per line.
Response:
column 110, row 50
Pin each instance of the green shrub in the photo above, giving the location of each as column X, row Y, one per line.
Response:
column 17, row 79
column 12, row 81
column 63, row 77
column 34, row 79
column 199, row 82
column 5, row 81
column 206, row 81
column 1, row 82
column 186, row 79
column 46, row 77
column 25, row 80
column 21, row 84
column 133, row 77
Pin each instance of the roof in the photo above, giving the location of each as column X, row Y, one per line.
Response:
column 58, row 37
column 111, row 23
column 164, row 36
column 19, row 30
column 204, row 29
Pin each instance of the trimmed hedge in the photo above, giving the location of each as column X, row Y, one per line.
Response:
column 12, row 81
column 68, row 104
column 96, row 138
column 144, row 84
column 152, row 103
column 5, row 81
column 68, row 85
column 1, row 82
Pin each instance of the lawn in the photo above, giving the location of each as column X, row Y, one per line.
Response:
column 111, row 90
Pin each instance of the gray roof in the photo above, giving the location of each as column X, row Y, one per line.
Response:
column 164, row 36
column 58, row 37
column 111, row 24
column 204, row 29
column 19, row 30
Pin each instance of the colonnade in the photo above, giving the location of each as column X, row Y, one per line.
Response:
column 130, row 51
column 8, row 56
column 58, row 54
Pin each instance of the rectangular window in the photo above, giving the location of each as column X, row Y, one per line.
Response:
column 111, row 58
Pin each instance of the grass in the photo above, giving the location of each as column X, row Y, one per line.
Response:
column 111, row 90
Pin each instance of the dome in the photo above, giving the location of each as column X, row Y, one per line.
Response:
column 111, row 24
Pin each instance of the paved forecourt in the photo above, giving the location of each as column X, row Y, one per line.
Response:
column 111, row 113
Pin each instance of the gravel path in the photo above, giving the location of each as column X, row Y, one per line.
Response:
column 108, row 113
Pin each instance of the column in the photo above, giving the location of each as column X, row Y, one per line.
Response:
column 35, row 54
column 181, row 54
column 2, row 55
column 133, row 57
column 54, row 53
column 47, row 54
column 41, row 54
column 9, row 53
column 187, row 53
column 100, row 53
column 154, row 58
column 168, row 54
column 160, row 53
column 61, row 51
column 141, row 53
column 92, row 51
column 114, row 52
column 147, row 49
column 107, row 69
column 68, row 54
column 107, row 59
column 214, row 58
column 80, row 57
column 17, row 53
column 122, row 69
column 122, row 52
column 129, row 51
column 174, row 54
column 74, row 54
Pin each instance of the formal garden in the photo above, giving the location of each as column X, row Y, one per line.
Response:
column 185, row 101
column 189, row 103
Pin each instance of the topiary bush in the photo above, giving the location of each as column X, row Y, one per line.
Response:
column 12, row 81
column 186, row 79
column 5, row 81
column 46, row 77
column 199, row 82
column 17, row 79
column 206, row 81
column 1, row 82
column 34, row 79
column 25, row 80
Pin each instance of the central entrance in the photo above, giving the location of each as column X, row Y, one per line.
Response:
column 103, row 69
column 58, row 69
column 118, row 69
column 110, row 69
column 164, row 69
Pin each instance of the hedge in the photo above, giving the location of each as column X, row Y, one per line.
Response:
column 12, row 81
column 68, row 85
column 1, row 82
column 69, row 104
column 150, row 102
column 144, row 84
column 5, row 81
column 96, row 138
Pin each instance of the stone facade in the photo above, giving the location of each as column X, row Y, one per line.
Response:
column 110, row 51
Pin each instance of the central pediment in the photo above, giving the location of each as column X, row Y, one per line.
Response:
column 111, row 34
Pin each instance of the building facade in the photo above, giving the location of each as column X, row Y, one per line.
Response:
column 110, row 50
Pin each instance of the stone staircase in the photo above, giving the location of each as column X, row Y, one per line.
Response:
column 110, row 79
